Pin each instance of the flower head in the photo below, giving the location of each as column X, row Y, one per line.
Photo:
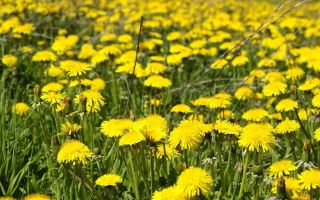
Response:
column 256, row 115
column 274, row 89
column 157, row 81
column 287, row 126
column 286, row 105
column 181, row 108
column 74, row 151
column 310, row 179
column 194, row 181
column 21, row 108
column 188, row 134
column 36, row 197
column 282, row 167
column 9, row 60
column 70, row 128
column 116, row 127
column 256, row 137
column 109, row 180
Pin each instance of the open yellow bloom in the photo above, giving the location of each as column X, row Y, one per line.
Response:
column 282, row 167
column 74, row 151
column 109, row 180
column 257, row 137
column 194, row 181
column 310, row 179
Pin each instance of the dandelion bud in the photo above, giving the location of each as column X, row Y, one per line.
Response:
column 36, row 90
column 307, row 146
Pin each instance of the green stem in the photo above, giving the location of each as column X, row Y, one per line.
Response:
column 135, row 177
column 151, row 170
column 244, row 176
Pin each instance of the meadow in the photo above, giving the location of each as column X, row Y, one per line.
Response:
column 159, row 99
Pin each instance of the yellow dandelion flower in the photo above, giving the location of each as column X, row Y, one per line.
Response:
column 70, row 128
column 93, row 100
column 292, row 187
column 317, row 134
column 194, row 181
column 54, row 71
column 170, row 193
column 181, row 108
column 75, row 68
column 309, row 84
column 36, row 197
column 219, row 64
column 116, row 127
column 21, row 108
column 274, row 76
column 157, row 81
column 7, row 198
column 9, row 60
column 108, row 37
column 287, row 126
column 303, row 115
column 240, row 61
column 274, row 89
column 53, row 97
column 62, row 44
column 281, row 168
column 132, row 137
column 309, row 179
column 52, row 87
column 97, row 84
column 109, row 180
column 86, row 51
column 256, row 115
column 128, row 68
column 44, row 56
column 153, row 127
column 74, row 151
column 226, row 127
column 316, row 101
column 125, row 38
column 294, row 73
column 189, row 134
column 244, row 93
column 167, row 151
column 154, row 68
column 286, row 105
column 256, row 137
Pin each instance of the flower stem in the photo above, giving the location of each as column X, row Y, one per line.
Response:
column 244, row 176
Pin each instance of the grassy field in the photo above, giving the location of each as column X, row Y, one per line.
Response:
column 161, row 100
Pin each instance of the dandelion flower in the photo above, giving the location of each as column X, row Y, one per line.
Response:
column 157, row 81
column 225, row 127
column 274, row 89
column 97, row 84
column 167, row 151
column 54, row 71
column 316, row 101
column 44, row 56
column 109, row 180
column 7, row 198
column 75, row 68
column 36, row 197
column 170, row 193
column 309, row 179
column 70, row 128
column 243, row 93
column 9, row 60
column 257, row 136
column 52, row 87
column 21, row 108
column 154, row 68
column 116, row 127
column 181, row 108
column 281, row 168
column 256, row 115
column 53, row 97
column 188, row 134
column 292, row 187
column 132, row 137
column 294, row 73
column 93, row 100
column 287, row 126
column 194, row 181
column 309, row 84
column 286, row 105
column 153, row 127
column 317, row 134
column 74, row 151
